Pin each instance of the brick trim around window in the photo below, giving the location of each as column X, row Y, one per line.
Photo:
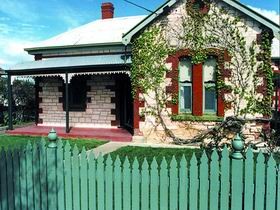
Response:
column 173, row 88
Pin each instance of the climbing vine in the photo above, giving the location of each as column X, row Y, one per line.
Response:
column 264, row 57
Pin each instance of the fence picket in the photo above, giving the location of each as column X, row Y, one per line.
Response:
column 76, row 179
column 23, row 187
column 10, row 182
column 84, row 179
column 100, row 183
column 260, row 183
column 183, row 184
column 60, row 177
column 203, row 182
column 135, row 185
column 270, row 184
column 249, row 180
column 163, row 185
column 225, row 177
column 68, row 177
column 51, row 178
column 193, row 199
column 126, row 185
column 145, row 183
column 43, row 173
column 154, row 194
column 29, row 172
column 92, row 181
column 173, row 187
column 3, row 179
column 278, row 187
column 16, row 176
column 214, row 181
column 117, row 184
column 237, row 184
column 36, row 176
column 109, row 183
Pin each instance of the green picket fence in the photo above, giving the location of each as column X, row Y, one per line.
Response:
column 42, row 177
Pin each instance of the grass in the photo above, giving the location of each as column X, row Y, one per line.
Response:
column 14, row 142
column 141, row 152
column 149, row 152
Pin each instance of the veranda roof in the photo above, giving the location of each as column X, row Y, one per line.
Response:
column 62, row 63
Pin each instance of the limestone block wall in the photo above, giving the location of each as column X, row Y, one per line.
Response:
column 100, row 104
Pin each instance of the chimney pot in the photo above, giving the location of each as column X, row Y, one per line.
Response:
column 107, row 9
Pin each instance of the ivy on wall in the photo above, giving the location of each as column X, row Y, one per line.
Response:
column 265, row 69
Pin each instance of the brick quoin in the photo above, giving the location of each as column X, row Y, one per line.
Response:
column 136, row 116
column 197, row 99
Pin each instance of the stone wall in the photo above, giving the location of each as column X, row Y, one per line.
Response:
column 171, row 22
column 99, row 108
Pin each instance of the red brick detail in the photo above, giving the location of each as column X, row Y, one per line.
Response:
column 259, row 38
column 221, row 106
column 136, row 116
column 226, row 73
column 107, row 10
column 197, row 90
column 113, row 111
column 38, row 57
column 114, row 123
column 261, row 89
column 40, row 110
column 227, row 57
column 113, row 100
column 40, row 89
column 141, row 103
column 169, row 89
column 142, row 118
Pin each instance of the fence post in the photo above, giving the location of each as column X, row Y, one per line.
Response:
column 237, row 173
column 51, row 170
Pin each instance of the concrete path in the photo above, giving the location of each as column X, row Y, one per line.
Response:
column 108, row 148
column 113, row 146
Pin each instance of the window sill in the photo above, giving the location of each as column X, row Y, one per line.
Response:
column 192, row 118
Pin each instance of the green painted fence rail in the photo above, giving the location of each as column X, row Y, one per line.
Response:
column 56, row 176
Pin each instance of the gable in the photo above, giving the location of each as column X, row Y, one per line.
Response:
column 232, row 4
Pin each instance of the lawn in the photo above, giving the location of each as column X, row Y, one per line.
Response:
column 149, row 152
column 19, row 141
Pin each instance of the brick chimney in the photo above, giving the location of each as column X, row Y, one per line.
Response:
column 107, row 10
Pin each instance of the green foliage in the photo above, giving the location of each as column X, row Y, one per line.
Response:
column 264, row 106
column 150, row 50
column 191, row 118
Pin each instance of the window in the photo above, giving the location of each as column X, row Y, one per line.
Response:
column 77, row 94
column 185, row 80
column 209, row 83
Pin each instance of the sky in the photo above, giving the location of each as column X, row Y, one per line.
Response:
column 25, row 22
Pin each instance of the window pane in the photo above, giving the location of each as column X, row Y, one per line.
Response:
column 209, row 67
column 185, row 70
column 210, row 98
column 186, row 98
